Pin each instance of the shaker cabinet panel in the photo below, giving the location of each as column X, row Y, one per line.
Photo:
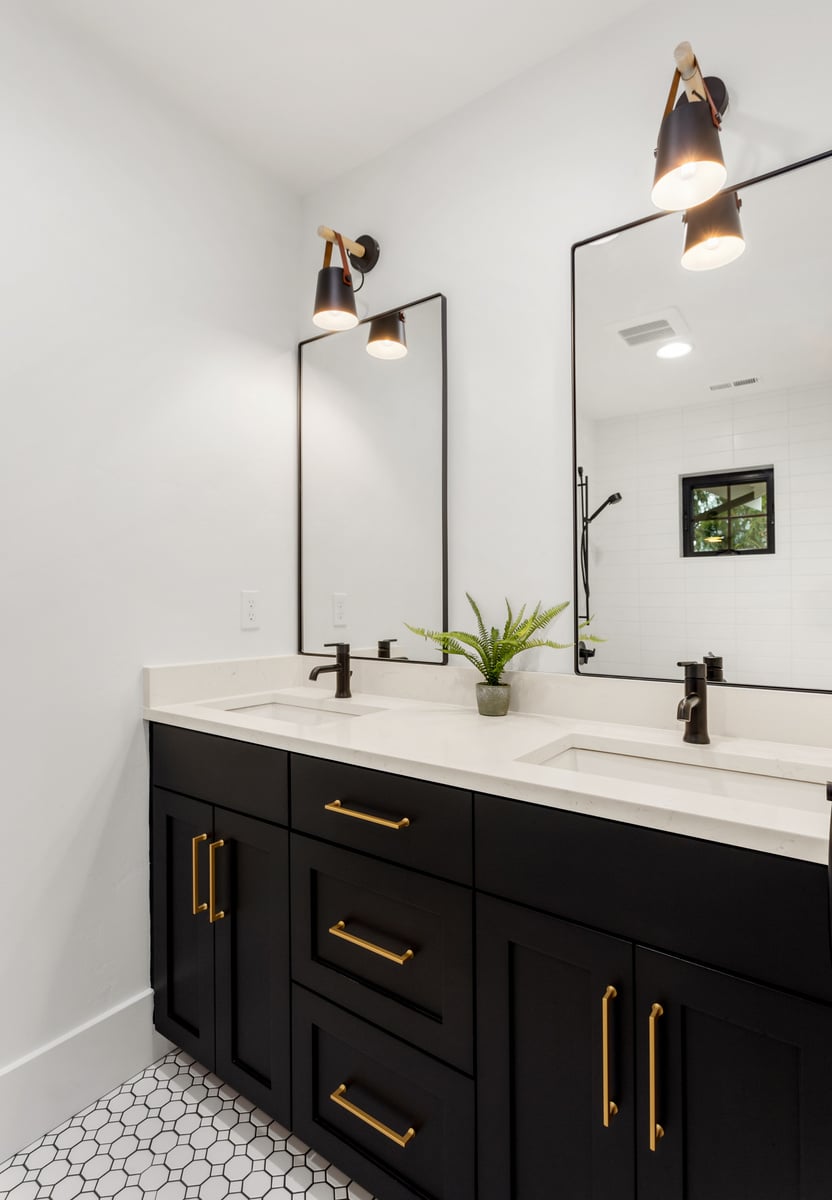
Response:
column 251, row 952
column 182, row 941
column 737, row 1082
column 392, row 945
column 554, row 1023
column 408, row 821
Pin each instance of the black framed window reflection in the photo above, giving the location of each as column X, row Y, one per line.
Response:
column 728, row 512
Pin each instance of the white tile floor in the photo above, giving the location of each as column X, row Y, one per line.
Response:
column 174, row 1132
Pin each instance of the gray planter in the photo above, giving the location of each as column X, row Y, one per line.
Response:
column 493, row 699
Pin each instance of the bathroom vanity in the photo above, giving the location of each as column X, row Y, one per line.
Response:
column 458, row 979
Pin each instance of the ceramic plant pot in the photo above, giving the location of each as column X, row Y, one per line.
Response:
column 493, row 699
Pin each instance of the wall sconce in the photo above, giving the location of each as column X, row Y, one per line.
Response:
column 334, row 295
column 713, row 233
column 387, row 336
column 690, row 168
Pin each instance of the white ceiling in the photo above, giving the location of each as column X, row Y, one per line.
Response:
column 310, row 88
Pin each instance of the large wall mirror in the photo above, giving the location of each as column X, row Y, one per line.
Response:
column 372, row 449
column 704, row 482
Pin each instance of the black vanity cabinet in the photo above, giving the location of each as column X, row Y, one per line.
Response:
column 722, row 1093
column 219, row 909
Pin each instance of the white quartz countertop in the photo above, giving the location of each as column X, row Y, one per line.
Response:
column 762, row 795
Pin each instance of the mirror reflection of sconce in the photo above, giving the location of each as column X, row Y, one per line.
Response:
column 387, row 338
column 335, row 297
column 713, row 233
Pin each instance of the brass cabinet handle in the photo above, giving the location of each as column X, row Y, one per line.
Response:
column 213, row 915
column 401, row 1139
column 339, row 930
column 337, row 807
column 610, row 1107
column 197, row 907
column 656, row 1131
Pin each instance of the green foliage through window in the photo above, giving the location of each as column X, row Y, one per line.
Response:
column 731, row 512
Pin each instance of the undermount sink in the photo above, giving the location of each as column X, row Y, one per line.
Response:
column 296, row 707
column 704, row 778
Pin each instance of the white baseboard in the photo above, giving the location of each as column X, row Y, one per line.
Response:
column 56, row 1081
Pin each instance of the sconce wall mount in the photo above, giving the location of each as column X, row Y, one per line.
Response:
column 334, row 296
column 689, row 163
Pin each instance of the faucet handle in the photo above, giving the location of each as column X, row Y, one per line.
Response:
column 693, row 670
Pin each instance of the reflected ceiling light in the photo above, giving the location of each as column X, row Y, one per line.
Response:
column 387, row 337
column 713, row 233
column 689, row 163
column 602, row 241
column 674, row 350
column 334, row 296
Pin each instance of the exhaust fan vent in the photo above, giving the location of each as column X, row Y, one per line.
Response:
column 733, row 383
column 650, row 331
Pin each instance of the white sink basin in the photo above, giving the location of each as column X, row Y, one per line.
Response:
column 295, row 706
column 745, row 778
column 715, row 781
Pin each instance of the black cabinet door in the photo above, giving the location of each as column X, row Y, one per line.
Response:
column 251, row 953
column 182, row 941
column 741, row 1080
column 542, row 987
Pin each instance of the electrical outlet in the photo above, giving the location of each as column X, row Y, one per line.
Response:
column 249, row 618
column 339, row 609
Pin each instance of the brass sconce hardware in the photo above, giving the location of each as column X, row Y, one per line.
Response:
column 610, row 1107
column 656, row 1131
column 337, row 807
column 400, row 1139
column 197, row 907
column 339, row 930
column 213, row 915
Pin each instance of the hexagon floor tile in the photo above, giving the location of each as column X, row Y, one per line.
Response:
column 174, row 1132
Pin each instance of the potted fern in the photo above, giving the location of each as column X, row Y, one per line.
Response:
column 491, row 650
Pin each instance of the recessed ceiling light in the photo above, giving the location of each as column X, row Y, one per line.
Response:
column 674, row 350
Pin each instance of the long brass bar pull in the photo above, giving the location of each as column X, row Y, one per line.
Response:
column 610, row 1107
column 337, row 807
column 339, row 930
column 656, row 1131
column 213, row 915
column 401, row 1139
column 197, row 907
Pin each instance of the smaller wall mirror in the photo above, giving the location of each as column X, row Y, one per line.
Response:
column 373, row 489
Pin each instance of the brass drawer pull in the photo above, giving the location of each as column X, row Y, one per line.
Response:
column 656, row 1131
column 399, row 1138
column 337, row 807
column 197, row 907
column 339, row 930
column 213, row 915
column 610, row 1107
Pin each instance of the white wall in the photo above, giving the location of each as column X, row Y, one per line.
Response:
column 485, row 207
column 147, row 474
column 769, row 616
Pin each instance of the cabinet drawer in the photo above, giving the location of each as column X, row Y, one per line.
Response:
column 237, row 775
column 758, row 915
column 391, row 1084
column 407, row 821
column 425, row 999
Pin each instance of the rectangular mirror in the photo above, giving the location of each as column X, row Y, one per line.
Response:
column 373, row 489
column 704, row 481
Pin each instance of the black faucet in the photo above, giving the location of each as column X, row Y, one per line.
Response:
column 693, row 707
column 341, row 666
column 384, row 646
column 714, row 669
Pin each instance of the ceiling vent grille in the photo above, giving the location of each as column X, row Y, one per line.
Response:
column 650, row 331
column 733, row 383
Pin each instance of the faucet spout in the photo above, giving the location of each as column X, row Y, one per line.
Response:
column 686, row 706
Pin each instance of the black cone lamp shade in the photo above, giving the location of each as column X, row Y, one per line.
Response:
column 334, row 301
column 689, row 163
column 387, row 337
column 713, row 233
